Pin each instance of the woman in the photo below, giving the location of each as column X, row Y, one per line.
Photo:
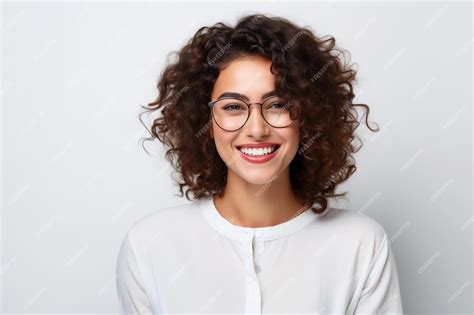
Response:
column 260, row 121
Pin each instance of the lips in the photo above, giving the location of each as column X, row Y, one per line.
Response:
column 259, row 159
column 258, row 145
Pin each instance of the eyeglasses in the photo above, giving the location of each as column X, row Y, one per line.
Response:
column 231, row 114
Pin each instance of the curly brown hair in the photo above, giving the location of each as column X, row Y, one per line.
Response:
column 309, row 72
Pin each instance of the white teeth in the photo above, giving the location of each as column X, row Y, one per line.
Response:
column 259, row 151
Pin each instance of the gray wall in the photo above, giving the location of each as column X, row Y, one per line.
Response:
column 74, row 176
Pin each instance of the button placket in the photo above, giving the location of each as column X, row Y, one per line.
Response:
column 248, row 247
column 253, row 256
column 257, row 256
column 253, row 304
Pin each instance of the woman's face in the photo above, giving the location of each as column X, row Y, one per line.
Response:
column 251, row 77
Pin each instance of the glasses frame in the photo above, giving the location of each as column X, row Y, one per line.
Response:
column 211, row 104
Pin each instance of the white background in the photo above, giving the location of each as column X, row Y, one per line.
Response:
column 75, row 177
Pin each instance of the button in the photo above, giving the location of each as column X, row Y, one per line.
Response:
column 257, row 269
column 258, row 233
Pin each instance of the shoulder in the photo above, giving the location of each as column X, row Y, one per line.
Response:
column 165, row 222
column 352, row 228
column 353, row 222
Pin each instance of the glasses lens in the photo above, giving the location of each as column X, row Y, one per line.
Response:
column 230, row 114
column 278, row 112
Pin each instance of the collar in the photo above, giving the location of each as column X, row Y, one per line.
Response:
column 266, row 233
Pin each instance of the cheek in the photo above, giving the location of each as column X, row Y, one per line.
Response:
column 223, row 142
column 292, row 138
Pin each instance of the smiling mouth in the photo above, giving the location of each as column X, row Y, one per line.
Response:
column 256, row 152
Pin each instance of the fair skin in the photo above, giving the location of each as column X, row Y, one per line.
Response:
column 255, row 195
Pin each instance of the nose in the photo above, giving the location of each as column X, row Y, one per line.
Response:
column 256, row 126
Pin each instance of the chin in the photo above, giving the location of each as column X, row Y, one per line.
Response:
column 260, row 177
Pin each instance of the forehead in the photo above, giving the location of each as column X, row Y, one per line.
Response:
column 250, row 76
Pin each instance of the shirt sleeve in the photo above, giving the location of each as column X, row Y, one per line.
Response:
column 381, row 292
column 131, row 292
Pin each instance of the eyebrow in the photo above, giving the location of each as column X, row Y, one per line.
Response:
column 246, row 98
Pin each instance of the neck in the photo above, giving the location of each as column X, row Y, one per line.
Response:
column 258, row 205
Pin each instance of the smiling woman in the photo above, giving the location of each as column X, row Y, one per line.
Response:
column 259, row 122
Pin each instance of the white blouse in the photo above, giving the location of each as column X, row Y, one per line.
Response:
column 190, row 259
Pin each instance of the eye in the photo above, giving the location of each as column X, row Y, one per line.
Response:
column 232, row 107
column 279, row 105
